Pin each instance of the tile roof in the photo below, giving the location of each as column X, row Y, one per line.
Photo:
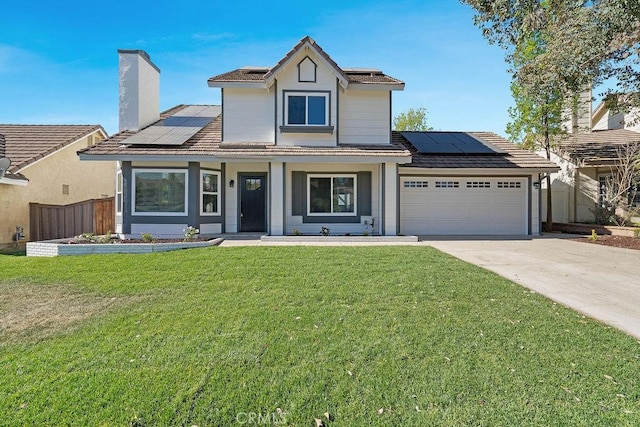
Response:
column 597, row 147
column 25, row 144
column 2, row 145
column 260, row 75
column 208, row 143
column 515, row 158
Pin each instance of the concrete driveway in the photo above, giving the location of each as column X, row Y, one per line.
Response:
column 599, row 281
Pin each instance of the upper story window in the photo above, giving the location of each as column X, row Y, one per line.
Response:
column 306, row 112
column 306, row 108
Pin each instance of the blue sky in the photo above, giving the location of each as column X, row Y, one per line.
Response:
column 58, row 60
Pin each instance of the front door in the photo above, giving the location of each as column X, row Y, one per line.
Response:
column 253, row 206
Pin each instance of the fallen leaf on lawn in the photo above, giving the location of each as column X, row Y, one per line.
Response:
column 620, row 395
column 609, row 377
column 350, row 373
column 328, row 416
column 319, row 422
column 417, row 409
column 298, row 318
column 380, row 411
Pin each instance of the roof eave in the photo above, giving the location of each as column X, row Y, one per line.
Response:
column 238, row 84
column 376, row 86
column 400, row 158
column 8, row 180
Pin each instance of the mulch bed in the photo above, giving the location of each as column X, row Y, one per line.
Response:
column 617, row 241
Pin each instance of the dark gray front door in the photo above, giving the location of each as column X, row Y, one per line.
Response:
column 253, row 206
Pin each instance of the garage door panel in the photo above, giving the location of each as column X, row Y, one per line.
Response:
column 477, row 206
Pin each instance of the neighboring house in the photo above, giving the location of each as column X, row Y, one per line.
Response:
column 587, row 156
column 605, row 119
column 45, row 169
column 587, row 161
column 302, row 145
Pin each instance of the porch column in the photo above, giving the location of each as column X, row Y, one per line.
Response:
column 276, row 199
column 391, row 201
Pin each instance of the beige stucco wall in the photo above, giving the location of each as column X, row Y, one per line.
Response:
column 86, row 180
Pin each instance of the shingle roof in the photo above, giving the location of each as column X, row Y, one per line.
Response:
column 258, row 74
column 597, row 147
column 207, row 142
column 25, row 144
column 515, row 158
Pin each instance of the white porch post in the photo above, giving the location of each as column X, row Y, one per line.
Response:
column 276, row 191
column 390, row 199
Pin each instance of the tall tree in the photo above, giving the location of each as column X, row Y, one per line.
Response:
column 414, row 119
column 555, row 49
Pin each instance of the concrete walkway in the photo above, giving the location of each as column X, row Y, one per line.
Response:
column 599, row 281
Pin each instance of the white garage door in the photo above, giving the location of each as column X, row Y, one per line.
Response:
column 463, row 206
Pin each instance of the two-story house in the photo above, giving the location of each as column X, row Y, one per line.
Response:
column 302, row 145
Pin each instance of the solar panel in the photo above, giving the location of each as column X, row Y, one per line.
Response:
column 459, row 143
column 178, row 128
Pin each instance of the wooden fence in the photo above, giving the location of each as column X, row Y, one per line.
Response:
column 57, row 222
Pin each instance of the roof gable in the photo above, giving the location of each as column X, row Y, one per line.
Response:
column 265, row 76
column 26, row 144
column 307, row 43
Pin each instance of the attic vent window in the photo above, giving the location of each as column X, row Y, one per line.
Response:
column 307, row 70
column 65, row 189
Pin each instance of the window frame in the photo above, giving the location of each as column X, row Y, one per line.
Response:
column 185, row 172
column 119, row 193
column 289, row 93
column 216, row 193
column 332, row 176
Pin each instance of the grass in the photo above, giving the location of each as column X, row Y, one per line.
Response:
column 376, row 336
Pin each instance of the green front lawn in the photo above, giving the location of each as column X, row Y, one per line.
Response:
column 375, row 336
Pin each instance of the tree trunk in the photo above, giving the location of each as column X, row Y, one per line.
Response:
column 548, row 227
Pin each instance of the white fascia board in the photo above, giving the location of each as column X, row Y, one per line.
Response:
column 14, row 181
column 375, row 86
column 467, row 172
column 251, row 85
column 249, row 158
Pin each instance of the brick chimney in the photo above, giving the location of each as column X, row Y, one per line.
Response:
column 139, row 101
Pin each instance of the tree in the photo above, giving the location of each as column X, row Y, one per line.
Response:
column 618, row 202
column 414, row 119
column 555, row 49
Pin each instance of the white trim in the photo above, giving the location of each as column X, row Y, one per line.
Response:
column 159, row 170
column 14, row 181
column 331, row 177
column 121, row 192
column 215, row 193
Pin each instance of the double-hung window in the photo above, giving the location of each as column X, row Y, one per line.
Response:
column 306, row 109
column 160, row 191
column 209, row 192
column 331, row 195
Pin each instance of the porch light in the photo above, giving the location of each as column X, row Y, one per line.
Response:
column 232, row 183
